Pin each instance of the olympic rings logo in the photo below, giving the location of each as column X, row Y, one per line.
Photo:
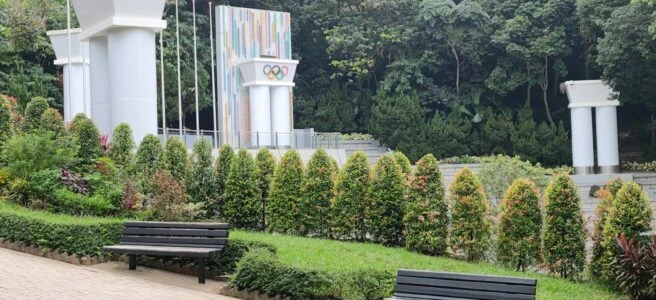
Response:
column 275, row 71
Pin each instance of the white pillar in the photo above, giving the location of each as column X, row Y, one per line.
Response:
column 607, row 146
column 133, row 80
column 73, row 91
column 99, row 83
column 281, row 116
column 582, row 141
column 260, row 115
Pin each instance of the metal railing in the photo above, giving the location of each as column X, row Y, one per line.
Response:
column 298, row 139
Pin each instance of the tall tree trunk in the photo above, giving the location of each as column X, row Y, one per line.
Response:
column 545, row 87
column 457, row 58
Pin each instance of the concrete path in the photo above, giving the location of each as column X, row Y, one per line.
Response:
column 24, row 276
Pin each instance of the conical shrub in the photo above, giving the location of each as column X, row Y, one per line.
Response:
column 122, row 145
column 242, row 194
column 53, row 122
column 35, row 108
column 606, row 195
column 349, row 205
column 149, row 154
column 222, row 169
column 564, row 235
column 404, row 162
column 520, row 226
column 386, row 202
column 6, row 127
column 266, row 164
column 471, row 227
column 427, row 214
column 176, row 158
column 87, row 137
column 318, row 185
column 201, row 180
column 282, row 209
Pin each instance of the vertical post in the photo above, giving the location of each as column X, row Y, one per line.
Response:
column 201, row 270
column 193, row 8
column 215, row 121
column 177, row 41
column 133, row 261
column 582, row 141
column 161, row 68
column 68, row 79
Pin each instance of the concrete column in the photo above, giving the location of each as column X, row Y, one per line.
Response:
column 607, row 146
column 133, row 80
column 582, row 140
column 260, row 115
column 73, row 97
column 99, row 84
column 281, row 115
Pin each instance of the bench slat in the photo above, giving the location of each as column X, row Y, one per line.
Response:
column 175, row 232
column 163, row 250
column 173, row 240
column 177, row 225
column 459, row 293
column 468, row 277
column 402, row 296
column 468, row 285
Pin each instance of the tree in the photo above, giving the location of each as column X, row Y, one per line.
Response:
column 283, row 205
column 520, row 226
column 471, row 228
column 449, row 137
column 33, row 112
column 242, row 194
column 427, row 215
column 266, row 164
column 564, row 236
column 349, row 204
column 52, row 121
column 176, row 158
column 385, row 202
column 606, row 194
column 149, row 154
column 403, row 162
column 6, row 127
column 122, row 145
column 201, row 178
column 318, row 185
column 222, row 165
column 87, row 137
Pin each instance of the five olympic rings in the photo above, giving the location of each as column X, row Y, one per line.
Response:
column 275, row 71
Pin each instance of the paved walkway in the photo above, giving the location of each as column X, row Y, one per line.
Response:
column 24, row 276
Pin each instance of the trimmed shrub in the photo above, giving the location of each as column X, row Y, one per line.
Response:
column 470, row 221
column 283, row 205
column 6, row 127
column 201, row 178
column 386, row 203
column 349, row 205
column 427, row 215
column 242, row 193
column 266, row 164
column 52, row 121
column 564, row 235
column 87, row 137
column 222, row 165
column 630, row 214
column 72, row 235
column 520, row 226
column 170, row 199
column 33, row 112
column 66, row 201
column 404, row 162
column 149, row 154
column 498, row 172
column 122, row 145
column 606, row 194
column 176, row 158
column 318, row 184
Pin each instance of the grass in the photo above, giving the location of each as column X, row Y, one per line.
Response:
column 340, row 256
column 52, row 217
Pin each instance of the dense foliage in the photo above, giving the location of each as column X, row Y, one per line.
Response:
column 349, row 204
column 635, row 268
column 242, row 193
column 564, row 236
column 606, row 196
column 386, row 202
column 266, row 165
column 283, row 206
column 149, row 154
column 175, row 158
column 51, row 121
column 318, row 185
column 201, row 179
column 222, row 165
column 122, row 145
column 170, row 201
column 403, row 162
column 87, row 137
column 33, row 113
column 427, row 216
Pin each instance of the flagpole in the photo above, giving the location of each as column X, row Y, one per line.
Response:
column 216, row 138
column 161, row 73
column 177, row 41
column 68, row 76
column 193, row 5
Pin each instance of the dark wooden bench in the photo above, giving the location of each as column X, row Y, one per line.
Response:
column 196, row 240
column 415, row 285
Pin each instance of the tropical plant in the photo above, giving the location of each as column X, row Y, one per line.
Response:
column 122, row 145
column 386, row 202
column 349, row 204
column 266, row 165
column 223, row 164
column 202, row 180
column 283, row 205
column 606, row 196
column 87, row 137
column 242, row 194
column 471, row 227
column 635, row 268
column 175, row 159
column 318, row 185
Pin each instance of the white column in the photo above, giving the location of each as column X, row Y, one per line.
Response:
column 281, row 116
column 99, row 83
column 73, row 91
column 607, row 146
column 260, row 115
column 582, row 141
column 133, row 80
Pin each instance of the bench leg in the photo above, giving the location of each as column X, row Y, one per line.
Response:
column 201, row 270
column 133, row 261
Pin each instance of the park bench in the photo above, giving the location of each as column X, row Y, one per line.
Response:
column 195, row 240
column 416, row 285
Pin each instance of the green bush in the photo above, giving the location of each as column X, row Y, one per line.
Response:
column 72, row 235
column 403, row 162
column 33, row 112
column 222, row 165
column 6, row 127
column 122, row 145
column 32, row 152
column 314, row 206
column 242, row 193
column 170, row 200
column 386, row 202
column 520, row 226
column 266, row 164
column 87, row 137
column 606, row 194
column 201, row 180
column 635, row 268
column 52, row 121
column 630, row 214
column 470, row 221
column 65, row 201
column 149, row 154
column 283, row 205
column 36, row 190
column 564, row 236
column 349, row 204
column 427, row 214
column 175, row 158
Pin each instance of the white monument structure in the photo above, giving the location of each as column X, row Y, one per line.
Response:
column 584, row 95
column 76, row 91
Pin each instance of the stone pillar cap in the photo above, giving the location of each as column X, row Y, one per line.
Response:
column 96, row 17
column 59, row 41
column 589, row 93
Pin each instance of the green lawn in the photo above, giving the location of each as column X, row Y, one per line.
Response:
column 337, row 256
